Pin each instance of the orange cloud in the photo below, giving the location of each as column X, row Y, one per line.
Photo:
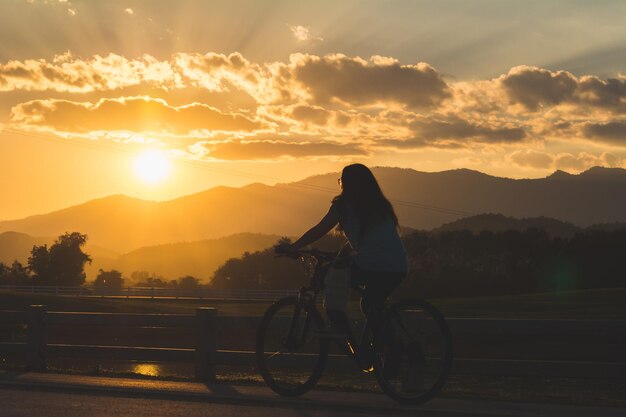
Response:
column 278, row 149
column 138, row 114
column 534, row 87
column 67, row 73
column 333, row 100
column 452, row 131
column 566, row 161
column 338, row 78
column 611, row 132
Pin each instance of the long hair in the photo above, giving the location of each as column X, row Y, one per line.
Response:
column 361, row 191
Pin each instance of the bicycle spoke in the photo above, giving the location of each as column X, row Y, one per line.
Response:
column 413, row 352
column 289, row 360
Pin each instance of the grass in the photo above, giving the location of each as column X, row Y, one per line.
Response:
column 583, row 304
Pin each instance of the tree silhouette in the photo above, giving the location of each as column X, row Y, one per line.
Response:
column 187, row 282
column 16, row 274
column 62, row 264
column 464, row 264
column 108, row 281
column 39, row 264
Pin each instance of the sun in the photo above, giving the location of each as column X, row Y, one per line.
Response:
column 152, row 166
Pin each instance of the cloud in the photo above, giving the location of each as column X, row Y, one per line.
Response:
column 70, row 9
column 303, row 33
column 609, row 94
column 611, row 132
column 531, row 159
column 451, row 131
column 565, row 160
column 532, row 86
column 138, row 114
column 584, row 161
column 128, row 10
column 278, row 149
column 536, row 87
column 338, row 78
column 67, row 73
column 453, row 127
column 332, row 99
column 312, row 114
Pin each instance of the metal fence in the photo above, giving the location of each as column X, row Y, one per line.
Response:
column 200, row 292
column 207, row 327
column 38, row 318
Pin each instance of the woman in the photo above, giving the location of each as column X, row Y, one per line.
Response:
column 369, row 222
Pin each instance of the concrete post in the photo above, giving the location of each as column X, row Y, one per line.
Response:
column 206, row 325
column 37, row 337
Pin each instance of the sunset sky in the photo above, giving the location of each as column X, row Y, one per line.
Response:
column 157, row 99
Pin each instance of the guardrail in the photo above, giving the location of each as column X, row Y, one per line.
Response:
column 207, row 327
column 199, row 292
column 38, row 318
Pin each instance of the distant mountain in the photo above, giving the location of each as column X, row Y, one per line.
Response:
column 198, row 259
column 17, row 246
column 422, row 201
column 500, row 223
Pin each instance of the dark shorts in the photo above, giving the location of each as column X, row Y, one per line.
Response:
column 377, row 285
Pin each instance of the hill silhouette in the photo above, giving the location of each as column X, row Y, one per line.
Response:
column 500, row 223
column 198, row 259
column 17, row 246
column 123, row 224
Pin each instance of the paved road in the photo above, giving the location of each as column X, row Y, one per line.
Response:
column 47, row 404
column 51, row 395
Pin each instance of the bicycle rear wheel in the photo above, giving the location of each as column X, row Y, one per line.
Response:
column 289, row 357
column 413, row 352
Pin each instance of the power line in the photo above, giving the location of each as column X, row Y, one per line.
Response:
column 93, row 145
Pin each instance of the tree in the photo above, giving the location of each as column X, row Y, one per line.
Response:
column 39, row 264
column 16, row 274
column 146, row 279
column 188, row 282
column 62, row 264
column 109, row 280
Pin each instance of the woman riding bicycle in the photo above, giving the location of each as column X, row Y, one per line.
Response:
column 368, row 221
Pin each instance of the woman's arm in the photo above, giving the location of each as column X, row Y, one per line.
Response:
column 325, row 225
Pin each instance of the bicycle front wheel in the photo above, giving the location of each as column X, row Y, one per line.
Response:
column 289, row 357
column 413, row 352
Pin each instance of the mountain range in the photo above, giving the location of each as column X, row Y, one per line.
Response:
column 123, row 225
column 422, row 201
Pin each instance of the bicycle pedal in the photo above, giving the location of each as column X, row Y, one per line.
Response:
column 368, row 370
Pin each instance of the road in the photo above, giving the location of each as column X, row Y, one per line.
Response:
column 20, row 403
column 47, row 404
column 51, row 395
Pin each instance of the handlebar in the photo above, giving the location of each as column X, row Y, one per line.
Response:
column 313, row 252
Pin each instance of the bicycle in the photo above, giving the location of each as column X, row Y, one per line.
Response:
column 411, row 351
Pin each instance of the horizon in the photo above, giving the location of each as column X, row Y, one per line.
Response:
column 155, row 100
column 287, row 183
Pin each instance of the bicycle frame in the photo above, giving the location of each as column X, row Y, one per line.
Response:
column 307, row 302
